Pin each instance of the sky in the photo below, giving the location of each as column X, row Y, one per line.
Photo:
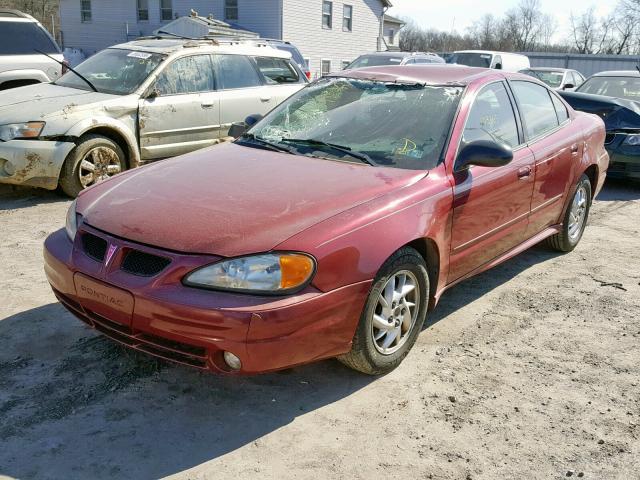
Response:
column 460, row 14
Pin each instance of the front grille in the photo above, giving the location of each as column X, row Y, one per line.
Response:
column 95, row 247
column 143, row 264
column 609, row 138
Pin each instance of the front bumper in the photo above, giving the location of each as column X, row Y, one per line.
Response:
column 33, row 162
column 625, row 159
column 195, row 327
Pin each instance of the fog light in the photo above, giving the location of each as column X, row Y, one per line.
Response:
column 9, row 168
column 233, row 361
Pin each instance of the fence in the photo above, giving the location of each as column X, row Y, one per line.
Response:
column 585, row 64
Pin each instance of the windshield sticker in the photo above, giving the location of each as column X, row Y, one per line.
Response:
column 142, row 55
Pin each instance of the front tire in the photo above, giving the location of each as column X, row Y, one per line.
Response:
column 95, row 159
column 575, row 218
column 393, row 315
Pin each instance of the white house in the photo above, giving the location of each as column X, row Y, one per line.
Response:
column 329, row 33
column 392, row 27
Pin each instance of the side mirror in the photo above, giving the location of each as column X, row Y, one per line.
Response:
column 484, row 153
column 568, row 86
column 240, row 128
column 152, row 93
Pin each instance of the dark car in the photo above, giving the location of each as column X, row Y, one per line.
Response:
column 334, row 224
column 615, row 97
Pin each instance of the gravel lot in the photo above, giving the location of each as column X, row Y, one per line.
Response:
column 527, row 371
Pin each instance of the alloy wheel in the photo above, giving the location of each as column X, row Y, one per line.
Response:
column 97, row 165
column 578, row 213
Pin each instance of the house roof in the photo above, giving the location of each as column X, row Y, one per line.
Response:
column 390, row 19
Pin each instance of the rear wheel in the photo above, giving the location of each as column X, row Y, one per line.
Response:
column 575, row 219
column 393, row 315
column 95, row 159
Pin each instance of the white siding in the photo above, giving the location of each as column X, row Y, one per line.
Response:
column 110, row 19
column 388, row 27
column 302, row 26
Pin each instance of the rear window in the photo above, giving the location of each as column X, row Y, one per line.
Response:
column 473, row 59
column 24, row 38
column 296, row 56
column 277, row 70
column 375, row 61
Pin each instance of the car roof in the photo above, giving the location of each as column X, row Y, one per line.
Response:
column 11, row 14
column 434, row 74
column 618, row 73
column 170, row 45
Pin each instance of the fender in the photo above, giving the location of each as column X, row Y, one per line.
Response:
column 24, row 74
column 118, row 126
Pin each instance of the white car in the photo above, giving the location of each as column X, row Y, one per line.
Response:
column 22, row 39
column 556, row 78
column 509, row 62
column 134, row 103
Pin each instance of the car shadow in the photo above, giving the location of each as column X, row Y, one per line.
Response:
column 15, row 197
column 616, row 190
column 73, row 404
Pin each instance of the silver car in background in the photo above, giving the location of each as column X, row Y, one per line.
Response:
column 22, row 38
column 557, row 78
column 136, row 102
column 379, row 59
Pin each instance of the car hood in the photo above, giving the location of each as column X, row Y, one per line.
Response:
column 232, row 200
column 617, row 113
column 36, row 102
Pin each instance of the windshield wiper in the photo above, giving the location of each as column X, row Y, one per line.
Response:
column 93, row 87
column 266, row 143
column 363, row 157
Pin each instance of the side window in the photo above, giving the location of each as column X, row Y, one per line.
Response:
column 492, row 117
column 187, row 75
column 236, row 71
column 497, row 62
column 536, row 108
column 277, row 70
column 561, row 110
column 85, row 11
column 577, row 79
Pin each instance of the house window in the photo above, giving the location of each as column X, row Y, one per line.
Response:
column 166, row 10
column 392, row 36
column 143, row 10
column 231, row 10
column 326, row 67
column 327, row 14
column 347, row 18
column 85, row 10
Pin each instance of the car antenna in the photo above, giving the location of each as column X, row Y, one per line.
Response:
column 638, row 68
column 93, row 87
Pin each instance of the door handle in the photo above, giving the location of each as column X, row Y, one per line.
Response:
column 524, row 172
column 575, row 148
column 265, row 99
column 207, row 105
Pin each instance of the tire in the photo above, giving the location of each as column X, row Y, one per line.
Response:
column 104, row 154
column 577, row 211
column 368, row 353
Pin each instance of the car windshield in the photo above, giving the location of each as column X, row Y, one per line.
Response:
column 115, row 71
column 619, row 87
column 551, row 78
column 375, row 61
column 473, row 59
column 380, row 123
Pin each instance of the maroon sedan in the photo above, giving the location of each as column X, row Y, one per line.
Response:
column 333, row 225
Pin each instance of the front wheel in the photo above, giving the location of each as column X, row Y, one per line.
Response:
column 95, row 159
column 393, row 315
column 575, row 219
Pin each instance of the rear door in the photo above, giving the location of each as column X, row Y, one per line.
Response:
column 242, row 89
column 280, row 76
column 491, row 205
column 185, row 114
column 555, row 146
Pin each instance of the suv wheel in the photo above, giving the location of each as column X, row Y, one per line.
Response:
column 95, row 159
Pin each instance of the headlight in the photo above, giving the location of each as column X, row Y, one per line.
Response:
column 632, row 140
column 72, row 221
column 21, row 130
column 270, row 273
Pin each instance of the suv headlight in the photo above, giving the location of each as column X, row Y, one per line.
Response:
column 14, row 131
column 72, row 221
column 633, row 140
column 269, row 273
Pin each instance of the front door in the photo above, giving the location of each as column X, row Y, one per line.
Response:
column 185, row 113
column 491, row 205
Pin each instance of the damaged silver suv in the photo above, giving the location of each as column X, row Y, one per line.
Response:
column 134, row 103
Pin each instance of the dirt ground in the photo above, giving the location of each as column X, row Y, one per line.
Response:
column 527, row 371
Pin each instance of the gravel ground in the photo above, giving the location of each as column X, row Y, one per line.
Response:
column 527, row 371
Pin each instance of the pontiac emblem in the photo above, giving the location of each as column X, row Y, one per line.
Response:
column 112, row 249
